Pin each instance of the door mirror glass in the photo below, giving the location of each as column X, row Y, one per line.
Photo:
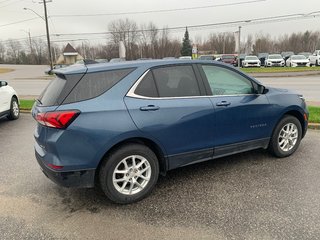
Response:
column 3, row 83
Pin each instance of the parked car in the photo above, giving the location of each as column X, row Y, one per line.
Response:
column 286, row 55
column 274, row 60
column 262, row 57
column 116, row 60
column 306, row 54
column 118, row 126
column 168, row 58
column 186, row 57
column 9, row 102
column 101, row 60
column 251, row 61
column 298, row 61
column 206, row 57
column 315, row 58
column 229, row 59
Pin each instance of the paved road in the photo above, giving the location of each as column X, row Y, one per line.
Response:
column 247, row 196
column 29, row 81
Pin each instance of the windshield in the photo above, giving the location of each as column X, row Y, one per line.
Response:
column 251, row 58
column 298, row 57
column 275, row 57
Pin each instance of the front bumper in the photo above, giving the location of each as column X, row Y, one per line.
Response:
column 74, row 179
column 275, row 64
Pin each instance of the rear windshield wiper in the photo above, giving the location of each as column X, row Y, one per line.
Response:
column 38, row 101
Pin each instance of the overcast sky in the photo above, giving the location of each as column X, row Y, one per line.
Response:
column 11, row 11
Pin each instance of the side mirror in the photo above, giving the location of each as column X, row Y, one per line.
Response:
column 3, row 83
column 259, row 89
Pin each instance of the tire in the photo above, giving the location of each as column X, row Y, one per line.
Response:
column 284, row 144
column 129, row 184
column 317, row 63
column 14, row 109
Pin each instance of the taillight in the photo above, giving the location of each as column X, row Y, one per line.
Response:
column 59, row 119
column 56, row 167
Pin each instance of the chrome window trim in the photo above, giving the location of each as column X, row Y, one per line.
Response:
column 135, row 85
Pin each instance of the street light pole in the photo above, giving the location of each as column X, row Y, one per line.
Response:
column 47, row 28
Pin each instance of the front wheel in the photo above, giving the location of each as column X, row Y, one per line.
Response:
column 129, row 173
column 14, row 109
column 286, row 137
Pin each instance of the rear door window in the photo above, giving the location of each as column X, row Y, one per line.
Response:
column 147, row 86
column 176, row 81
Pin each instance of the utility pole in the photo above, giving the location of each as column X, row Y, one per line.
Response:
column 47, row 29
column 239, row 47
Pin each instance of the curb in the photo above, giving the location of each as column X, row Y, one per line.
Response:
column 315, row 126
column 284, row 74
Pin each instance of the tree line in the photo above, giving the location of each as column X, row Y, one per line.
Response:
column 148, row 41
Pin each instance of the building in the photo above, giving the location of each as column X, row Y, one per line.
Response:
column 69, row 56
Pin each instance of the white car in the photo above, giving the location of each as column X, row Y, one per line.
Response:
column 274, row 60
column 298, row 61
column 251, row 61
column 9, row 103
column 186, row 57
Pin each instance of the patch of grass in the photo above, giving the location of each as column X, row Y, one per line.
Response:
column 5, row 70
column 314, row 114
column 26, row 104
column 280, row 69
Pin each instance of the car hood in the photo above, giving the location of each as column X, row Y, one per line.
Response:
column 251, row 61
column 300, row 61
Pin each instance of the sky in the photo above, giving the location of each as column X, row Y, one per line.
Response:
column 197, row 12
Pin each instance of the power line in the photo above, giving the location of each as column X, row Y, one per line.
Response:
column 10, row 3
column 263, row 20
column 288, row 17
column 26, row 20
column 128, row 13
column 157, row 11
column 5, row 1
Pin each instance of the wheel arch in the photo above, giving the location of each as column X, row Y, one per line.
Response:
column 163, row 163
column 16, row 97
column 297, row 114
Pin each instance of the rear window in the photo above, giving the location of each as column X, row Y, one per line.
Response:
column 51, row 93
column 58, row 89
column 94, row 84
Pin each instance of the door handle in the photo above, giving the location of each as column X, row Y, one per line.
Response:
column 149, row 108
column 223, row 103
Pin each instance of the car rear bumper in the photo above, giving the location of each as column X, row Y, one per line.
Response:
column 75, row 179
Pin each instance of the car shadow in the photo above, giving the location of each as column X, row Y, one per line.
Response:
column 192, row 183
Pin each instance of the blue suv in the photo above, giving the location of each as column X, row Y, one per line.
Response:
column 118, row 126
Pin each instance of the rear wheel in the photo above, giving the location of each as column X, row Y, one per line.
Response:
column 14, row 109
column 286, row 137
column 129, row 173
column 317, row 63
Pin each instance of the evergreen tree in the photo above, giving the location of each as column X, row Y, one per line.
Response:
column 186, row 49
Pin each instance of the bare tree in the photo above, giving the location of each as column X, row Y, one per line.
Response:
column 126, row 31
column 13, row 51
column 2, row 52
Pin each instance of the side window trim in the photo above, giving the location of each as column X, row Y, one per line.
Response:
column 206, row 82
